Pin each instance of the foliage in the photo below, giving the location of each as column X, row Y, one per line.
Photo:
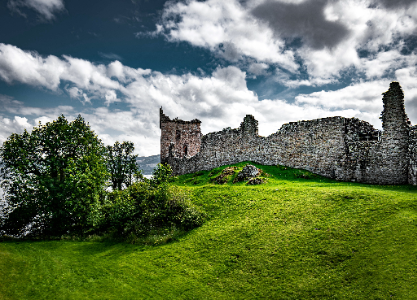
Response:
column 149, row 205
column 142, row 209
column 53, row 178
column 161, row 175
column 118, row 208
column 121, row 164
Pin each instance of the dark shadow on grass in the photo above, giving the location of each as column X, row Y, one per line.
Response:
column 114, row 247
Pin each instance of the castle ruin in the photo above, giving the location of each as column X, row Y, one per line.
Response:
column 346, row 149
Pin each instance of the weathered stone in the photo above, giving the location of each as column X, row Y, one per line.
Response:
column 225, row 175
column 255, row 181
column 248, row 171
column 342, row 148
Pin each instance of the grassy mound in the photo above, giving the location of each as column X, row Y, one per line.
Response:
column 296, row 236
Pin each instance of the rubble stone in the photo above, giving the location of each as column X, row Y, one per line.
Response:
column 248, row 171
column 255, row 181
column 225, row 175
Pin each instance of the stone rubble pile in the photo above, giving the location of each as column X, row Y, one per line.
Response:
column 248, row 172
column 224, row 175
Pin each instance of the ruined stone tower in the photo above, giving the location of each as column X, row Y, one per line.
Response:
column 394, row 143
column 179, row 138
column 249, row 126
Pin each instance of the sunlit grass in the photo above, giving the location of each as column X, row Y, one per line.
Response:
column 298, row 236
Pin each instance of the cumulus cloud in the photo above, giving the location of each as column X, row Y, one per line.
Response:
column 226, row 28
column 17, row 65
column 220, row 99
column 12, row 125
column 46, row 9
column 30, row 68
column 305, row 20
column 258, row 68
column 321, row 39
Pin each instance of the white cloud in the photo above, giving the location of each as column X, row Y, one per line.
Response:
column 258, row 68
column 225, row 27
column 385, row 62
column 15, row 125
column 31, row 68
column 110, row 97
column 45, row 8
column 77, row 93
column 252, row 31
column 362, row 100
column 219, row 100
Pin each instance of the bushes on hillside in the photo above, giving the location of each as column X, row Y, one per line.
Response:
column 54, row 179
column 148, row 206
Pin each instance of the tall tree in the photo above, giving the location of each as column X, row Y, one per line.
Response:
column 52, row 178
column 121, row 164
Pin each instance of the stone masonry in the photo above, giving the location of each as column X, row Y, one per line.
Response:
column 345, row 149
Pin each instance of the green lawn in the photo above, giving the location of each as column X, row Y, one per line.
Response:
column 298, row 236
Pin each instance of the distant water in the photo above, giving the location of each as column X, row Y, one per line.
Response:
column 148, row 163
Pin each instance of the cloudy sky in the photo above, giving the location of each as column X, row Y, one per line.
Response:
column 117, row 62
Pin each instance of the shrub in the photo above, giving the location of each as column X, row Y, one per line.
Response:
column 118, row 208
column 143, row 208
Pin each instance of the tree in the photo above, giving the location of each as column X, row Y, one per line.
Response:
column 53, row 178
column 162, row 174
column 121, row 164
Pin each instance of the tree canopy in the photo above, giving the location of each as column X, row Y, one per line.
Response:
column 121, row 164
column 53, row 178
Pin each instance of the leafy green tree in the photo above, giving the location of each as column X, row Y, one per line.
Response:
column 121, row 164
column 53, row 178
column 161, row 174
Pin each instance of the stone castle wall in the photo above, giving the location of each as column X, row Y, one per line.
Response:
column 346, row 149
column 412, row 150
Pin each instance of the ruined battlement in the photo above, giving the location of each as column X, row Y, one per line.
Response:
column 346, row 149
column 180, row 139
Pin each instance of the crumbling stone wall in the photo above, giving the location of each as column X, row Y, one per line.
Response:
column 342, row 148
column 412, row 150
column 383, row 159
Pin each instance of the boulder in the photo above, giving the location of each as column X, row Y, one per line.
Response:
column 249, row 171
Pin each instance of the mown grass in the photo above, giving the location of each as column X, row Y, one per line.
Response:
column 298, row 236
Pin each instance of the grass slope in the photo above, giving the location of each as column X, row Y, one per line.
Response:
column 298, row 236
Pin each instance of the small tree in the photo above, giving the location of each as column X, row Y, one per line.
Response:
column 121, row 164
column 161, row 175
column 53, row 178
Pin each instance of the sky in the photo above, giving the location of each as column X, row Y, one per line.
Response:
column 117, row 62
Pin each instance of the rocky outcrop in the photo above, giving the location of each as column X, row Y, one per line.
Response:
column 248, row 172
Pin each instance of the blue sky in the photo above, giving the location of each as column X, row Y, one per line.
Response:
column 117, row 62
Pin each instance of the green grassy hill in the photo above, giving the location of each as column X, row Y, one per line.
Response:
column 297, row 236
